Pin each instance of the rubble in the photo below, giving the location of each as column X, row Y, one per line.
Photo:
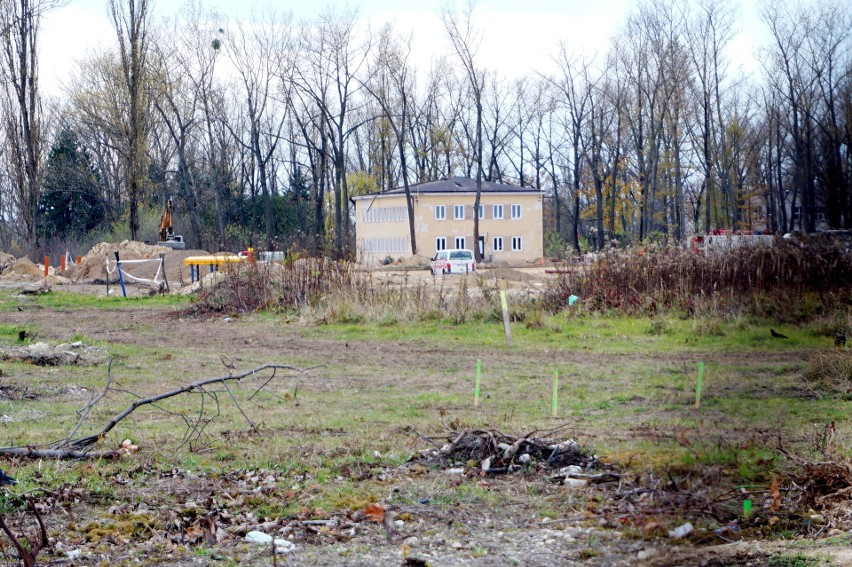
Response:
column 64, row 354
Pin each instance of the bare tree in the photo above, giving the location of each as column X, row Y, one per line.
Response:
column 184, row 60
column 576, row 104
column 22, row 108
column 94, row 110
column 131, row 19
column 330, row 77
column 258, row 52
column 392, row 87
column 708, row 32
column 466, row 39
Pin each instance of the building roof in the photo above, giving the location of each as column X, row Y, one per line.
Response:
column 458, row 185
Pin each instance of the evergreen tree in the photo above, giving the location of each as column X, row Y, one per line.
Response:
column 70, row 205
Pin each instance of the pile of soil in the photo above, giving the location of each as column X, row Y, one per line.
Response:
column 92, row 266
column 6, row 260
column 24, row 270
column 416, row 261
column 508, row 274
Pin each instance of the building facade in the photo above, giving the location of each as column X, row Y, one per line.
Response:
column 510, row 221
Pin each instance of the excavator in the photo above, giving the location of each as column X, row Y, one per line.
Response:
column 167, row 230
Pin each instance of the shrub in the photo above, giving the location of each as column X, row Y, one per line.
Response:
column 786, row 280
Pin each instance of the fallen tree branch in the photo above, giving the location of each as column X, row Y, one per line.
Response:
column 84, row 413
column 28, row 552
column 70, row 448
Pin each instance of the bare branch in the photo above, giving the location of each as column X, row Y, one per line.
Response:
column 70, row 448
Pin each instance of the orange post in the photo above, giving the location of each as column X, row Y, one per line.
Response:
column 46, row 264
column 79, row 259
column 62, row 264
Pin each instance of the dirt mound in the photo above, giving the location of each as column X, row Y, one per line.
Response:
column 416, row 261
column 6, row 260
column 93, row 265
column 508, row 274
column 24, row 267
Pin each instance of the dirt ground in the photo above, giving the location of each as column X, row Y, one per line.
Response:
column 505, row 533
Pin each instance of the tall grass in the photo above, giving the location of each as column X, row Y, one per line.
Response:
column 786, row 281
column 324, row 291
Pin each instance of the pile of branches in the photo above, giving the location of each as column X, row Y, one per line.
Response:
column 493, row 452
column 643, row 499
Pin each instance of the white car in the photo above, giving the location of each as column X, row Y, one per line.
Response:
column 454, row 261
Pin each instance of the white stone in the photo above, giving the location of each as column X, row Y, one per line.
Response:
column 458, row 470
column 258, row 537
column 576, row 482
column 646, row 554
column 524, row 459
column 681, row 531
column 571, row 469
column 283, row 546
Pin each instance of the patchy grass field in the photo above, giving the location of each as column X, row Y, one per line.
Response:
column 302, row 454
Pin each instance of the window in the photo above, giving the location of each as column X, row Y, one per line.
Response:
column 458, row 212
column 459, row 241
column 498, row 211
column 481, row 212
column 440, row 244
column 516, row 244
column 497, row 246
column 440, row 214
column 516, row 211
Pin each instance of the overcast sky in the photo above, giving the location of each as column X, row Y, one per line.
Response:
column 520, row 36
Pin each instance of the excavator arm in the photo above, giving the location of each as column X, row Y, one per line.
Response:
column 167, row 229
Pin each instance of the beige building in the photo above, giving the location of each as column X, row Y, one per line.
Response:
column 510, row 221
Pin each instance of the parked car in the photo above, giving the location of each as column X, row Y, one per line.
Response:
column 455, row 261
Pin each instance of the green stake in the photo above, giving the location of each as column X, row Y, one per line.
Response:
column 555, row 409
column 699, row 384
column 746, row 508
column 476, row 384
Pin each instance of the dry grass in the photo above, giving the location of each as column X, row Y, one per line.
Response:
column 830, row 372
column 786, row 281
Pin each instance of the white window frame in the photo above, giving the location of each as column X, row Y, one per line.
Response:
column 460, row 240
column 494, row 210
column 440, row 244
column 516, row 209
column 440, row 212
column 458, row 212
column 497, row 244
column 517, row 244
